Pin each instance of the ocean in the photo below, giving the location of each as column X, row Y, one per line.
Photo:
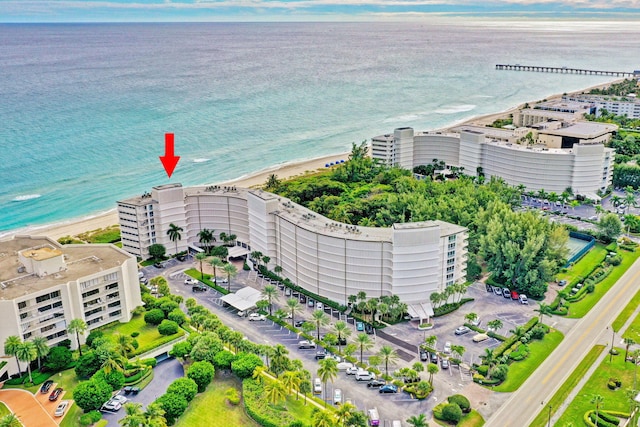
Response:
column 84, row 107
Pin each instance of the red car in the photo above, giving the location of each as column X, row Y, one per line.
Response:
column 55, row 394
column 514, row 295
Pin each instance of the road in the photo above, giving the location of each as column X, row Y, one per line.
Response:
column 523, row 405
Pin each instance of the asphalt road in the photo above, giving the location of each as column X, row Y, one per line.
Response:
column 595, row 328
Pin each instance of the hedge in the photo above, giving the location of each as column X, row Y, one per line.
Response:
column 38, row 378
column 449, row 308
column 475, row 328
column 497, row 336
column 136, row 378
column 499, row 350
column 259, row 408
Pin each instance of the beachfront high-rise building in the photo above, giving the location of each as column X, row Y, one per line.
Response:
column 325, row 257
column 44, row 285
column 554, row 158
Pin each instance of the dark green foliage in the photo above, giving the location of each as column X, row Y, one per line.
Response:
column 461, row 401
column 202, row 373
column 167, row 306
column 220, row 251
column 608, row 418
column 244, row 365
column 185, row 387
column 115, row 379
column 451, row 412
column 538, row 332
column 90, row 417
column 92, row 336
column 58, row 359
column 157, row 251
column 500, row 372
column 91, row 395
column 177, row 316
column 154, row 316
column 152, row 361
column 259, row 408
column 168, row 327
column 223, row 359
column 181, row 349
column 87, row 365
column 173, row 405
column 135, row 334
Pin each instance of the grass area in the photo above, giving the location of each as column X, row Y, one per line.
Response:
column 299, row 410
column 148, row 262
column 65, row 379
column 566, row 388
column 585, row 264
column 597, row 385
column 149, row 337
column 4, row 410
column 472, row 419
column 520, row 371
column 72, row 419
column 582, row 307
column 212, row 405
column 109, row 234
column 626, row 313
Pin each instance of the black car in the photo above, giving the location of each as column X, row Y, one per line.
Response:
column 342, row 341
column 376, row 383
column 46, row 386
column 298, row 323
column 199, row 288
column 423, row 356
column 55, row 394
column 488, row 287
column 434, row 357
column 158, row 265
column 320, row 355
column 368, row 328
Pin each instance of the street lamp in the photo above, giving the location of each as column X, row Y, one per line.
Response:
column 549, row 414
column 613, row 336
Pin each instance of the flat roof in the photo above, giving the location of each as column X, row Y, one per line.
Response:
column 548, row 113
column 81, row 261
column 586, row 130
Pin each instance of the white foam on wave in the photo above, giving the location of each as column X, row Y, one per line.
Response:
column 200, row 160
column 25, row 197
column 454, row 109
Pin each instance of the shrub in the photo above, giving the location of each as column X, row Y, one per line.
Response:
column 259, row 408
column 202, row 373
column 181, row 349
column 185, row 387
column 500, row 372
column 482, row 370
column 246, row 267
column 87, row 365
column 154, row 316
column 223, row 359
column 92, row 336
column 538, row 332
column 245, row 364
column 232, row 396
column 91, row 395
column 135, row 334
column 173, row 405
column 615, row 260
column 451, row 412
column 90, row 417
column 168, row 327
column 461, row 401
column 177, row 316
column 152, row 361
column 114, row 378
column 58, row 359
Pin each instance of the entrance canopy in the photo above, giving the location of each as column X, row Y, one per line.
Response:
column 237, row 251
column 423, row 311
column 243, row 299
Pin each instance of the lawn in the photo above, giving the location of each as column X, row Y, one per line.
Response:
column 212, row 405
column 585, row 264
column 568, row 386
column 626, row 313
column 582, row 307
column 597, row 385
column 148, row 339
column 472, row 419
column 4, row 410
column 520, row 371
column 633, row 331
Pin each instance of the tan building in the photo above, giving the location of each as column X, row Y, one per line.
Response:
column 44, row 285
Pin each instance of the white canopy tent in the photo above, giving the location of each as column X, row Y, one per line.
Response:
column 423, row 311
column 237, row 252
column 243, row 299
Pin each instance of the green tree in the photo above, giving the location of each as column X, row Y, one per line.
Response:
column 216, row 263
column 245, row 364
column 174, row 234
column 173, row 406
column 155, row 416
column 168, row 327
column 206, row 236
column 342, row 331
column 154, row 316
column 279, row 359
column 495, row 324
column 388, row 356
column 42, row 349
column 77, row 326
column 231, row 271
column 418, row 420
column 471, row 317
column 544, row 310
column 58, row 358
column 114, row 363
column 134, row 416
column 489, row 359
column 272, row 183
column 202, row 373
column 26, row 352
column 343, row 413
column 364, row 343
column 270, row 292
column 328, row 371
column 431, row 341
column 91, row 395
column 293, row 305
column 597, row 399
column 320, row 319
column 275, row 391
column 432, row 369
column 157, row 251
column 11, row 346
column 185, row 387
column 124, row 345
column 291, row 380
column 610, row 226
column 323, row 419
column 10, row 420
column 201, row 256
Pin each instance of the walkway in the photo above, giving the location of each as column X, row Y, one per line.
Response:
column 27, row 408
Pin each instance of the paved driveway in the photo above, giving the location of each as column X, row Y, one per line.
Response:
column 28, row 408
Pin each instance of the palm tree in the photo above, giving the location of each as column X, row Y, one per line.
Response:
column 544, row 310
column 629, row 200
column 134, row 416
column 115, row 362
column 77, row 326
column 489, row 359
column 258, row 373
column 458, row 349
column 270, row 292
column 206, row 237
column 216, row 263
column 388, row 355
column 11, row 345
column 418, row 420
column 343, row 413
column 124, row 345
column 10, row 420
column 430, row 341
column 27, row 352
column 323, row 419
column 471, row 317
column 231, row 271
column 432, row 369
column 372, row 306
column 272, row 182
column 627, row 342
column 599, row 210
column 155, row 416
column 342, row 331
column 294, row 307
column 42, row 348
column 327, row 371
column 518, row 331
column 174, row 234
column 256, row 256
column 291, row 381
column 277, row 269
column 275, row 391
column 597, row 399
column 364, row 342
column 266, row 259
column 201, row 256
column 321, row 319
column 279, row 359
column 495, row 324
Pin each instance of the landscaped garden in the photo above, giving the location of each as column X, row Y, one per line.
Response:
column 633, row 331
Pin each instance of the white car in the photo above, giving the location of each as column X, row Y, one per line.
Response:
column 352, row 370
column 62, row 407
column 337, row 396
column 480, row 337
column 120, row 399
column 447, row 348
column 241, row 313
column 306, row 344
column 257, row 317
column 344, row 366
column 191, row 282
column 222, row 280
column 112, row 406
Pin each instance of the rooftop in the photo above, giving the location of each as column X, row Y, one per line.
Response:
column 583, row 130
column 81, row 261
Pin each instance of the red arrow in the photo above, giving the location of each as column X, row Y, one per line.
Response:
column 169, row 161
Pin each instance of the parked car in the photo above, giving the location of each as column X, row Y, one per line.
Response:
column 199, row 288
column 424, row 356
column 388, row 388
column 376, row 383
column 353, row 370
column 488, row 287
column 191, row 281
column 337, row 396
column 319, row 306
column 317, row 386
column 447, row 347
column 506, row 293
column 112, row 406
column 343, row 366
column 480, row 337
column 158, row 265
column 303, row 299
column 444, row 363
column 257, row 317
column 320, row 355
column 514, row 295
column 359, row 326
column 523, row 299
column 562, row 282
column 306, row 344
column 242, row 313
column 46, row 386
column 368, row 329
column 61, row 408
column 298, row 323
column 461, row 330
column 131, row 390
column 363, row 375
column 476, row 322
column 55, row 394
column 120, row 399
column 434, row 357
column 497, row 290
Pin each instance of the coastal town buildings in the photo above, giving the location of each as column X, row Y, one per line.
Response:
column 619, row 105
column 325, row 257
column 549, row 155
column 44, row 285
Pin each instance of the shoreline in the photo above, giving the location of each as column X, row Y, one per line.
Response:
column 75, row 226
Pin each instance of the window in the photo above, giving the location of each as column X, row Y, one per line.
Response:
column 24, row 315
column 94, row 311
column 451, row 254
column 451, row 269
column 111, row 286
column 115, row 313
column 22, row 305
column 451, row 261
column 27, row 335
column 452, row 238
column 88, row 294
column 114, row 304
column 47, row 328
column 96, row 320
column 449, row 276
column 451, row 246
column 450, row 282
column 57, row 304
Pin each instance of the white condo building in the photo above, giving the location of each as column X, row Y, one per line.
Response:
column 330, row 259
column 44, row 285
column 573, row 156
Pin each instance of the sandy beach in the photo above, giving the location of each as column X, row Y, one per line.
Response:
column 284, row 171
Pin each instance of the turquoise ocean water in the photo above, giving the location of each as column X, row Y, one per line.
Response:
column 84, row 108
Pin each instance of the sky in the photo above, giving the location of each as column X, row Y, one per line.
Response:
column 300, row 10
